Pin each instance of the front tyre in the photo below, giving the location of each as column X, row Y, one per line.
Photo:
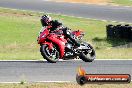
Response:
column 51, row 55
column 88, row 55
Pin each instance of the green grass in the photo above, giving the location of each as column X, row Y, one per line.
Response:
column 64, row 85
column 122, row 2
column 19, row 31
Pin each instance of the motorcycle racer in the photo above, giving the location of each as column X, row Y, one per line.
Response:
column 55, row 25
column 59, row 42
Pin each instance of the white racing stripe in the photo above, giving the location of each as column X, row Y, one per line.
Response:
column 42, row 82
column 113, row 59
column 62, row 60
column 39, row 82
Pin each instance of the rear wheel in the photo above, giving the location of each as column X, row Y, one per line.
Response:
column 88, row 55
column 51, row 55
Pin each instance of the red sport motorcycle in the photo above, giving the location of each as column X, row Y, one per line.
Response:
column 54, row 46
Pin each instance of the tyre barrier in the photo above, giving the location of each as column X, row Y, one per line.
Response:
column 119, row 31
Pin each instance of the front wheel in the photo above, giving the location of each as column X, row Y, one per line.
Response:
column 51, row 55
column 88, row 55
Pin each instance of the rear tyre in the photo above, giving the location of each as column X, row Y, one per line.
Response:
column 51, row 56
column 88, row 55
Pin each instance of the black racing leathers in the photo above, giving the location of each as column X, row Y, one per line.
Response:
column 66, row 31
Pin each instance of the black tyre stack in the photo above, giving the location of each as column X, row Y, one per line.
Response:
column 119, row 31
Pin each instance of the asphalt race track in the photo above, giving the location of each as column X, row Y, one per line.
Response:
column 42, row 71
column 113, row 13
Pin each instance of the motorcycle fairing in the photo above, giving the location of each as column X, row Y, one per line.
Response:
column 59, row 43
